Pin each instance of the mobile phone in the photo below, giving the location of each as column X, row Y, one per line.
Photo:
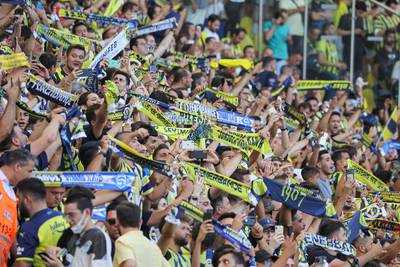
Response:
column 208, row 214
column 114, row 63
column 279, row 229
column 199, row 154
column 250, row 220
column 188, row 145
column 350, row 174
column 153, row 68
column 43, row 254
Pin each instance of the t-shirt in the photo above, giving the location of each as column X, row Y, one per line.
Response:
column 141, row 186
column 42, row 230
column 135, row 246
column 330, row 54
column 278, row 41
column 59, row 75
column 90, row 249
column 180, row 259
column 325, row 188
column 294, row 21
column 315, row 251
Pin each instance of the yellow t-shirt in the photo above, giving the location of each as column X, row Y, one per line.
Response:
column 136, row 247
column 341, row 10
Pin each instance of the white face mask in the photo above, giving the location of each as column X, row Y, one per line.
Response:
column 78, row 228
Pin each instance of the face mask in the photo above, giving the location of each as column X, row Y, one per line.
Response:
column 78, row 228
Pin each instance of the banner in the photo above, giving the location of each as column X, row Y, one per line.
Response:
column 162, row 25
column 310, row 85
column 311, row 240
column 117, row 181
column 113, row 7
column 234, row 100
column 106, row 20
column 153, row 113
column 232, row 63
column 50, row 92
column 173, row 132
column 366, row 178
column 386, row 226
column 238, row 239
column 124, row 150
column 8, row 62
column 221, row 182
column 62, row 38
column 293, row 198
column 123, row 114
column 116, row 45
column 191, row 211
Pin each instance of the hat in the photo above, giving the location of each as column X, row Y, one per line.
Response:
column 266, row 223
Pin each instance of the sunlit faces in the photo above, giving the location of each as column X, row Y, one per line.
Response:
column 93, row 99
column 75, row 59
column 111, row 224
column 54, row 196
column 22, row 119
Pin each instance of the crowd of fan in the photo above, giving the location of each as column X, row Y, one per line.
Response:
column 55, row 225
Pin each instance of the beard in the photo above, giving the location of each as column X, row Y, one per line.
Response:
column 181, row 241
column 23, row 211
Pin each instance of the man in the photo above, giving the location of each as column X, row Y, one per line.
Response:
column 267, row 78
column 182, row 80
column 111, row 223
column 385, row 60
column 75, row 57
column 139, row 46
column 227, row 256
column 326, row 168
column 132, row 248
column 54, row 197
column 249, row 52
column 44, row 227
column 344, row 30
column 335, row 230
column 340, row 158
column 238, row 35
column 328, row 56
column 295, row 9
column 276, row 34
column 86, row 243
column 173, row 242
column 18, row 165
column 213, row 24
column 122, row 80
column 43, row 147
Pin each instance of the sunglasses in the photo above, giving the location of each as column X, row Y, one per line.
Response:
column 111, row 221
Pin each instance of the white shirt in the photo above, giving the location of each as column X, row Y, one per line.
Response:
column 211, row 34
column 294, row 21
column 6, row 185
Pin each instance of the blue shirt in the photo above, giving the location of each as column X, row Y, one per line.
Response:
column 325, row 188
column 278, row 41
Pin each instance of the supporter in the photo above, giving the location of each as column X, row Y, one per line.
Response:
column 55, row 197
column 18, row 165
column 132, row 247
column 295, row 10
column 344, row 29
column 328, row 56
column 44, row 227
column 276, row 34
column 222, row 155
column 86, row 243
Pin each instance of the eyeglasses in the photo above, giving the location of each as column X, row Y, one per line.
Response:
column 111, row 221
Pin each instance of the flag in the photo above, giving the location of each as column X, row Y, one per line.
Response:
column 391, row 126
